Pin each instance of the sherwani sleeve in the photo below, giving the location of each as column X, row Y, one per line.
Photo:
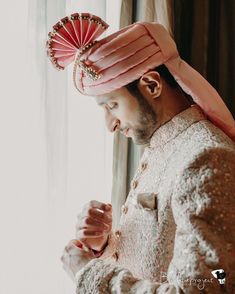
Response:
column 203, row 204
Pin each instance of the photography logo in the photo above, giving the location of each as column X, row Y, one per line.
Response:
column 220, row 275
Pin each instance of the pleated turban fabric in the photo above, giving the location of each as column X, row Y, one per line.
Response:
column 110, row 63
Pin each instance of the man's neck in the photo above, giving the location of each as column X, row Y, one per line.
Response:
column 175, row 102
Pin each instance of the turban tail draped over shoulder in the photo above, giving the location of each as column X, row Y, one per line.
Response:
column 110, row 63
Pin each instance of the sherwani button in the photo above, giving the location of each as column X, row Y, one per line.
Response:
column 115, row 256
column 124, row 209
column 118, row 233
column 134, row 184
column 144, row 166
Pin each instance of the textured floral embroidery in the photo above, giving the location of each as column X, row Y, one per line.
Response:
column 172, row 246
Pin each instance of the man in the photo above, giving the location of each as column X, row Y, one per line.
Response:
column 177, row 224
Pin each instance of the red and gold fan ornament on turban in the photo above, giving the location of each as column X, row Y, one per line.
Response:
column 104, row 65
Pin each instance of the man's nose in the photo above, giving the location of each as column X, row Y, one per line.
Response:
column 112, row 123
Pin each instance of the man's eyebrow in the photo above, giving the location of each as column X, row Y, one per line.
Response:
column 105, row 100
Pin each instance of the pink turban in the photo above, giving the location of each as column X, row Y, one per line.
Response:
column 124, row 56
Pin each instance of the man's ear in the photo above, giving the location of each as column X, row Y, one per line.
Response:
column 151, row 84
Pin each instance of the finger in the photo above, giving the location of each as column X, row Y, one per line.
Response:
column 98, row 225
column 96, row 204
column 74, row 248
column 100, row 205
column 75, row 242
column 90, row 222
column 99, row 220
column 100, row 216
column 71, row 245
column 86, row 233
column 92, row 229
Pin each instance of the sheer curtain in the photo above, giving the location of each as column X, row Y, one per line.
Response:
column 23, row 172
column 55, row 151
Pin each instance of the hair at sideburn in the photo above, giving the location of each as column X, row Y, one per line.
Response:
column 166, row 75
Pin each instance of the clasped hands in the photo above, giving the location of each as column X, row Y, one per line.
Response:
column 93, row 226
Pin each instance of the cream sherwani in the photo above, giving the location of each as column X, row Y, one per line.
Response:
column 178, row 222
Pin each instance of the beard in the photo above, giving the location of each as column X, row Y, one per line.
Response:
column 146, row 120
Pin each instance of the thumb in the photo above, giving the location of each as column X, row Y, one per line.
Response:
column 82, row 244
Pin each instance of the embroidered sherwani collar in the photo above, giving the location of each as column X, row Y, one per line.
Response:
column 176, row 125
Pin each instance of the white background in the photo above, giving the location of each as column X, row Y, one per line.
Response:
column 55, row 153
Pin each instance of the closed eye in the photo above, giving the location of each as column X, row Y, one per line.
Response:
column 113, row 105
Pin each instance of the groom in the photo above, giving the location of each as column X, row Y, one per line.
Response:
column 177, row 224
